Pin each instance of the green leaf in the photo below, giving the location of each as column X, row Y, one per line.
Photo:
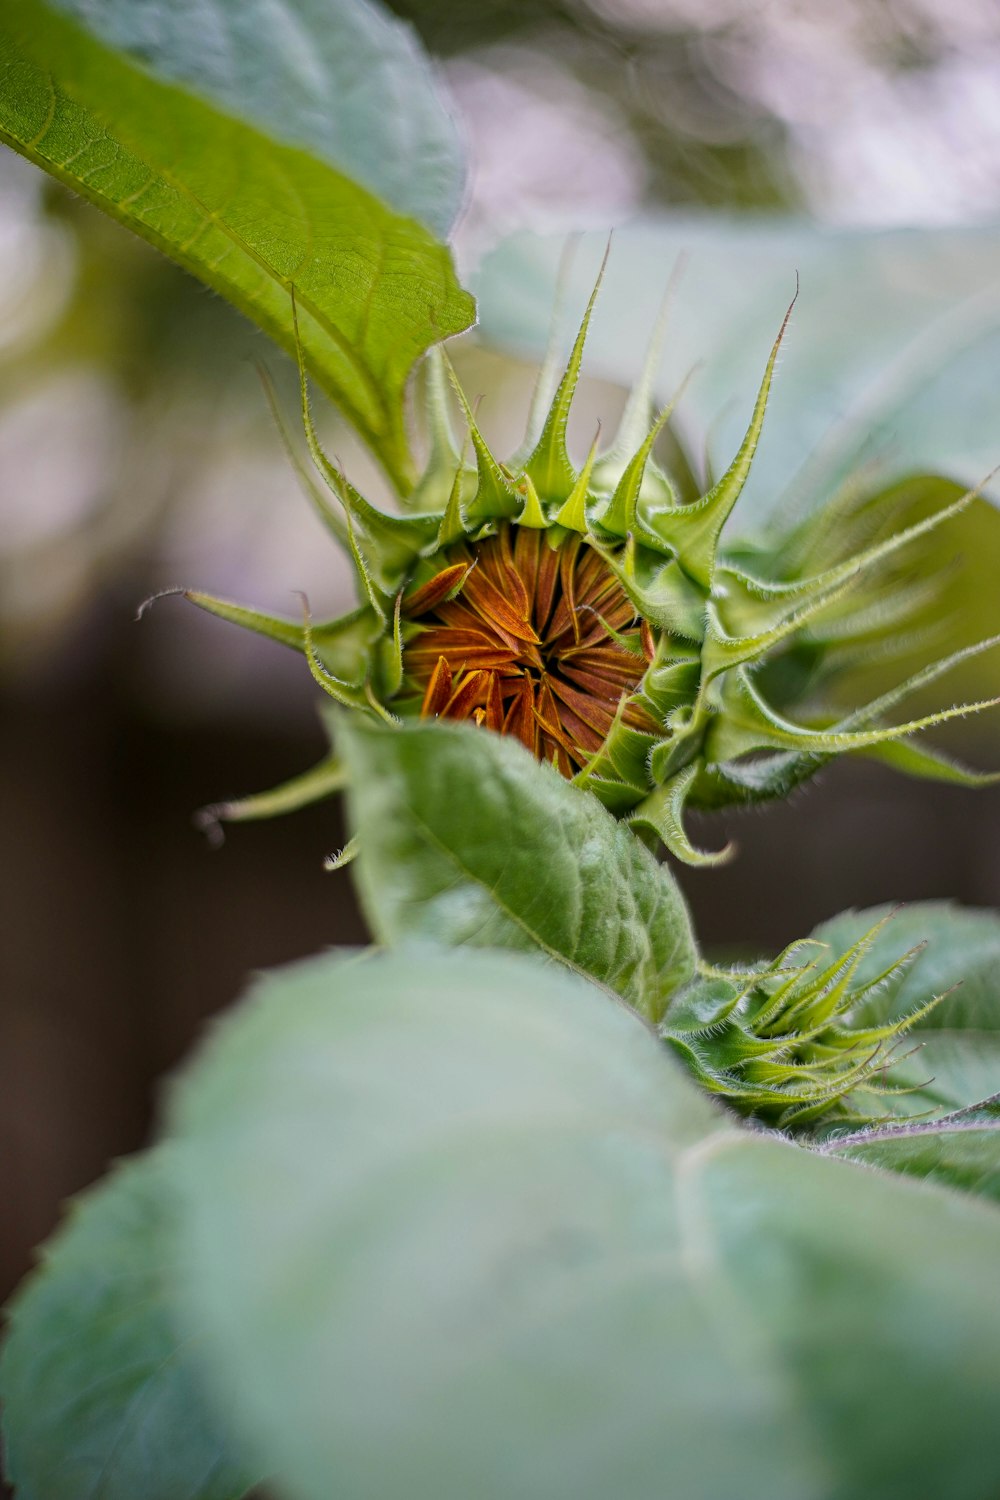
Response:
column 252, row 143
column 958, row 1062
column 307, row 71
column 960, row 1151
column 100, row 1395
column 462, row 1227
column 466, row 839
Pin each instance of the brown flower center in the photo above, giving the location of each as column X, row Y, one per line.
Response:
column 540, row 641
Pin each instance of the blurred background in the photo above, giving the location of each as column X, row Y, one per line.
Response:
column 136, row 453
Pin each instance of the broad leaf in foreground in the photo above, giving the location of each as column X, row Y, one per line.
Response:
column 211, row 132
column 464, row 838
column 100, row 1398
column 462, row 1227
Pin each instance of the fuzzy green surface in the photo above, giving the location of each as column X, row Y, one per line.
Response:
column 480, row 1235
column 465, row 839
column 102, row 1395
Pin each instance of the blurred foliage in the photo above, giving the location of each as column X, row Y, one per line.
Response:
column 878, row 110
column 130, row 418
column 130, row 309
column 702, row 140
column 114, row 337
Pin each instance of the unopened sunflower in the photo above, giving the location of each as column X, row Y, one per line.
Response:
column 600, row 620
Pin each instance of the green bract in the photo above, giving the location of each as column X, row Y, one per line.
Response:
column 598, row 617
column 787, row 1043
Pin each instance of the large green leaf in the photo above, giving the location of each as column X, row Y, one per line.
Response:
column 459, row 1226
column 263, row 146
column 958, row 1061
column 101, row 1399
column 464, row 838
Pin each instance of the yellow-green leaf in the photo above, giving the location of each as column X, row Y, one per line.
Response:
column 176, row 121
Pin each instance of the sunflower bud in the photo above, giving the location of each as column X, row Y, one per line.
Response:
column 601, row 620
column 781, row 1042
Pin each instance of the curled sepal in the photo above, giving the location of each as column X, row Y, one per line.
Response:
column 452, row 528
column 347, row 694
column 769, row 777
column 663, row 812
column 620, row 516
column 811, row 597
column 662, row 594
column 389, row 544
column 387, row 665
column 386, row 544
column 573, row 514
column 331, row 517
column 765, row 778
column 320, row 781
column 622, row 761
column 287, row 632
column 343, row 857
column 778, row 1041
column 532, row 514
column 343, row 645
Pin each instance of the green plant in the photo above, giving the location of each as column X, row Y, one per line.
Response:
column 591, row 1215
column 599, row 619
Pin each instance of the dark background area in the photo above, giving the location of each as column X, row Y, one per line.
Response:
column 122, row 931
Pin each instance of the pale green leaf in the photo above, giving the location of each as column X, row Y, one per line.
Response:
column 253, row 144
column 462, row 1227
column 958, row 1152
column 466, row 839
column 101, row 1397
